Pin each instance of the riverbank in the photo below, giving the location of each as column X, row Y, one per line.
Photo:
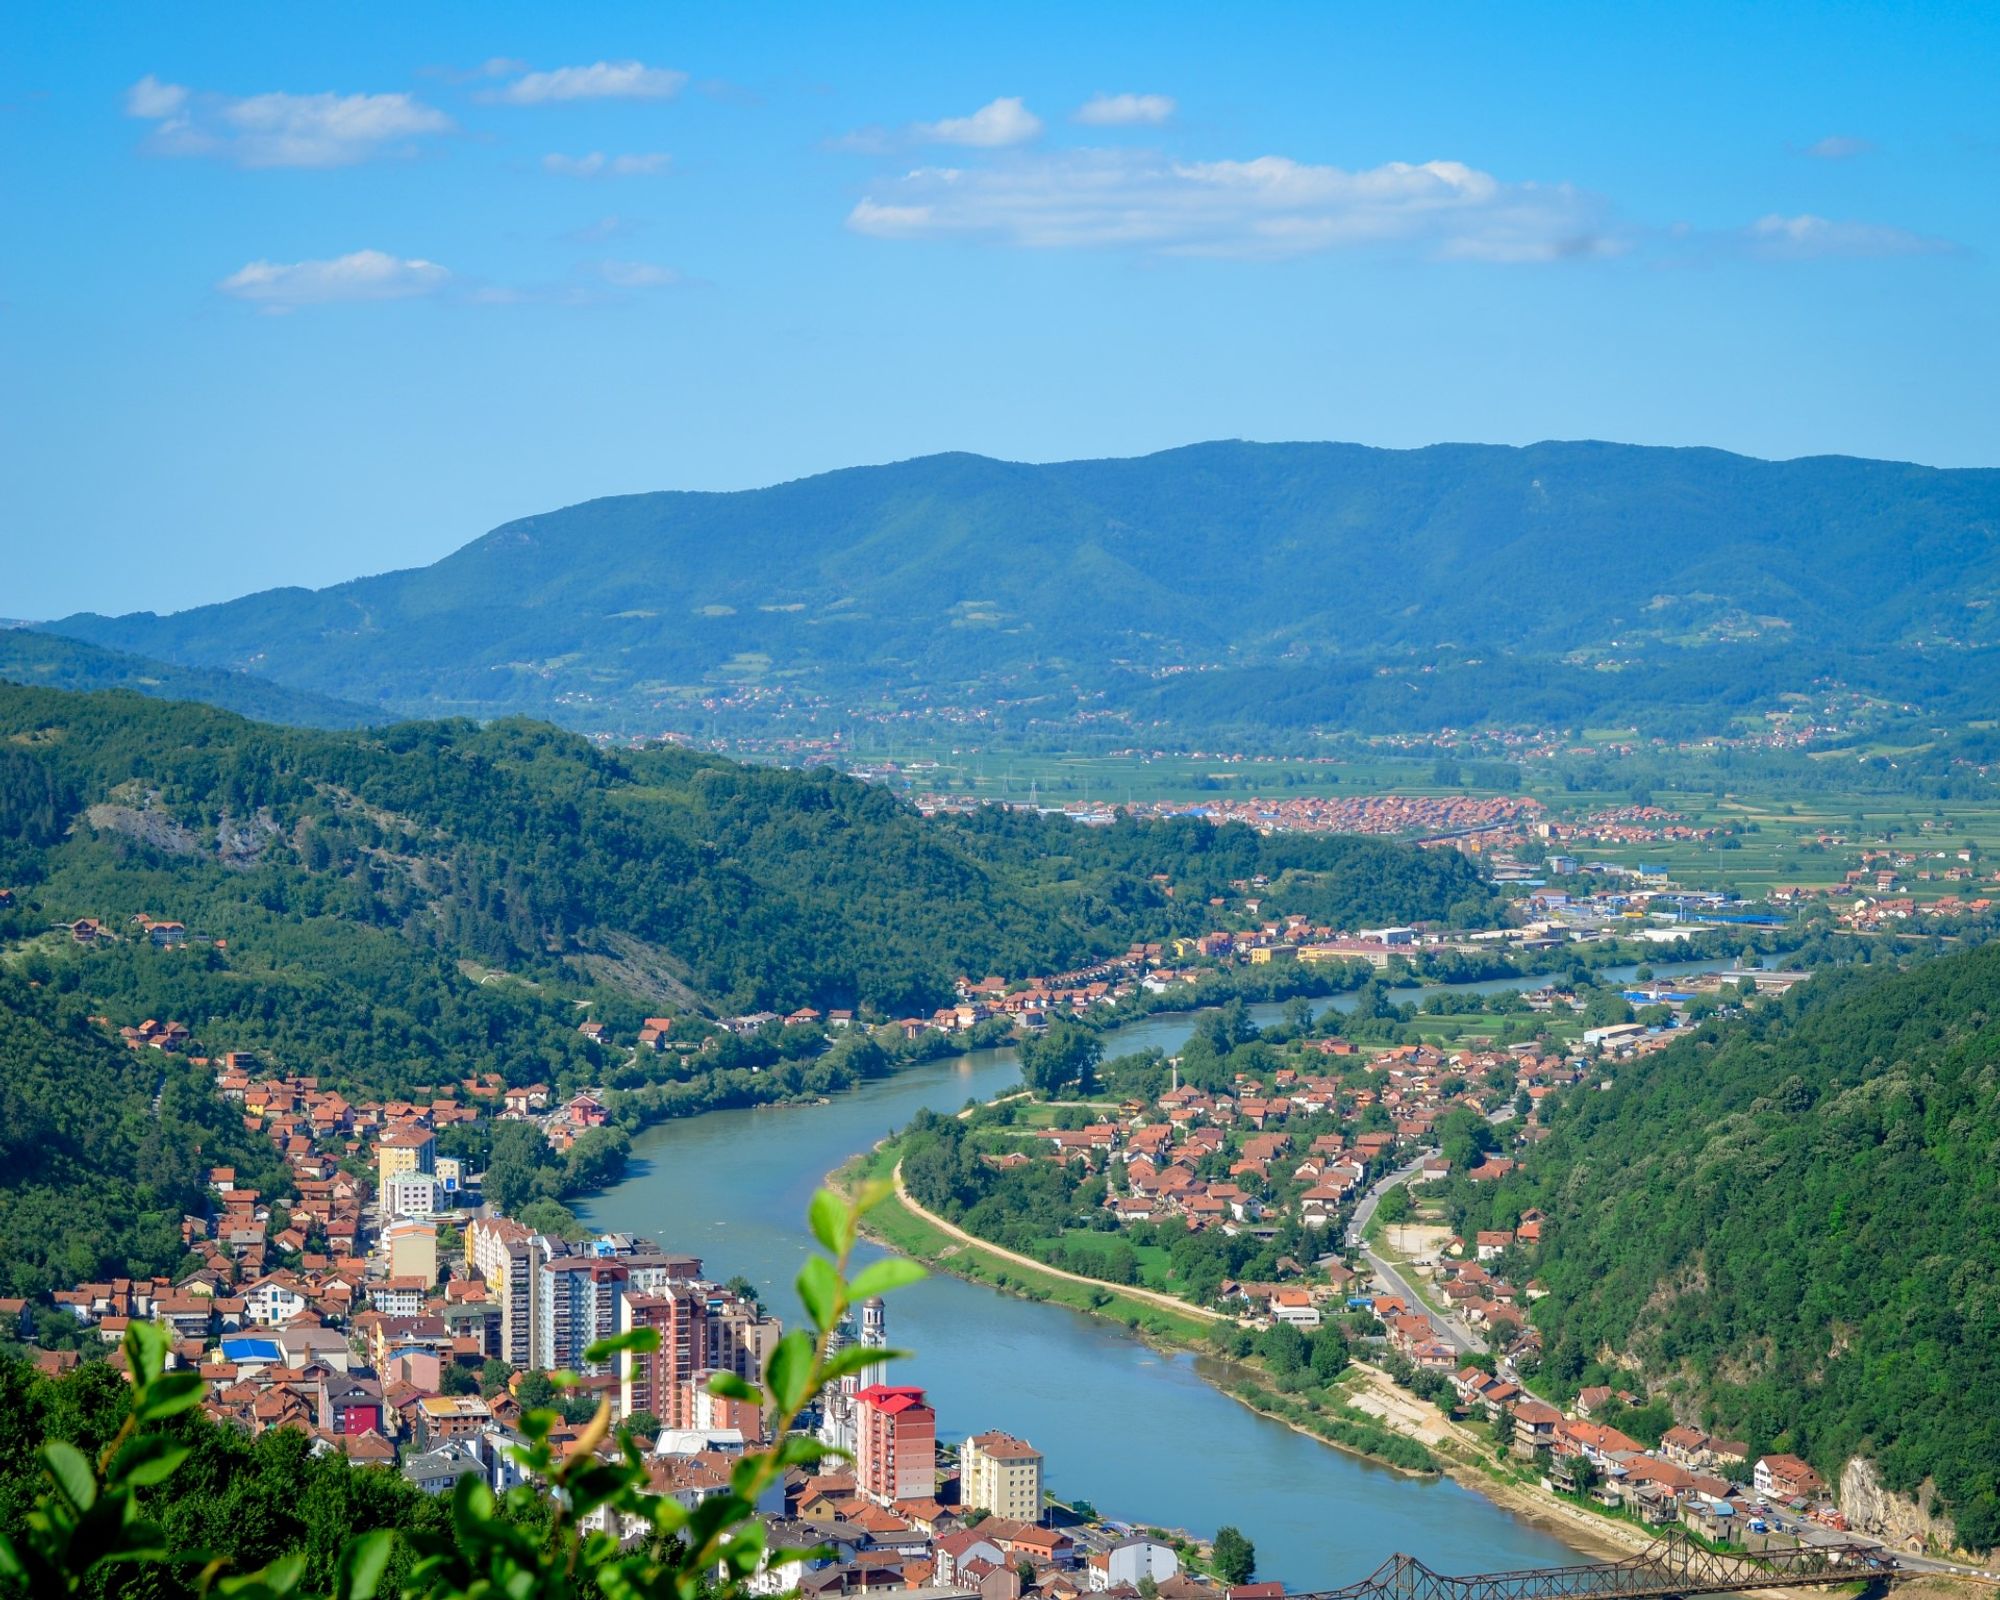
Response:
column 1363, row 1412
column 639, row 1108
column 1323, row 1413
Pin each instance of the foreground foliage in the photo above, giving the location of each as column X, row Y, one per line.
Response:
column 158, row 1501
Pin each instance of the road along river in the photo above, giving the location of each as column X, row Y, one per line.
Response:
column 1139, row 1433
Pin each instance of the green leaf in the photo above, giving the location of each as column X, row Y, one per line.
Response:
column 170, row 1395
column 855, row 1357
column 789, row 1374
column 145, row 1351
column 871, row 1194
column 819, row 1288
column 728, row 1386
column 10, row 1562
column 894, row 1272
column 149, row 1459
column 362, row 1562
column 830, row 1220
column 71, row 1470
column 642, row 1340
column 800, row 1450
column 280, row 1577
column 471, row 1502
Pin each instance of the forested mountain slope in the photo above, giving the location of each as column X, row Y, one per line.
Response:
column 1793, row 1226
column 358, row 877
column 102, row 1149
column 48, row 661
column 955, row 574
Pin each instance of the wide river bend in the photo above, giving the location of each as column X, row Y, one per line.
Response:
column 1138, row 1433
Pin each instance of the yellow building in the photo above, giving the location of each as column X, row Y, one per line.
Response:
column 402, row 1150
column 1001, row 1475
column 413, row 1250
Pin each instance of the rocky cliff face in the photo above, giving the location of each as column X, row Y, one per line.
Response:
column 1898, row 1519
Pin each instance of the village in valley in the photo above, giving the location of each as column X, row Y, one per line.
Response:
column 381, row 1304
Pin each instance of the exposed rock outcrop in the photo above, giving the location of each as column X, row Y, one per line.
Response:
column 147, row 824
column 1906, row 1522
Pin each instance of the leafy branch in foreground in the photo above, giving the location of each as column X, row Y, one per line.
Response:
column 607, row 1535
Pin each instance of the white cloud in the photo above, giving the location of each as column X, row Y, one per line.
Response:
column 1838, row 147
column 999, row 122
column 637, row 275
column 152, row 99
column 597, row 165
column 363, row 275
column 603, row 228
column 605, row 80
column 1268, row 207
column 280, row 130
column 1125, row 110
column 1810, row 238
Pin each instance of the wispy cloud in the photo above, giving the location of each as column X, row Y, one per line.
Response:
column 999, row 122
column 1838, row 147
column 1810, row 238
column 590, row 284
column 151, row 99
column 280, row 130
column 598, row 165
column 603, row 80
column 611, row 227
column 279, row 286
column 1268, row 207
column 638, row 275
column 1125, row 110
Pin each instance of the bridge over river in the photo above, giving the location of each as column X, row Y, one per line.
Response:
column 1669, row 1569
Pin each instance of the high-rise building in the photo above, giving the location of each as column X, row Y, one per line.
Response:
column 509, row 1258
column 659, row 1380
column 1000, row 1475
column 577, row 1303
column 703, row 1329
column 896, row 1444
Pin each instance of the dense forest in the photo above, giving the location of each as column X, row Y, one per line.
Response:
column 1314, row 584
column 422, row 904
column 519, row 846
column 102, row 1149
column 1792, row 1229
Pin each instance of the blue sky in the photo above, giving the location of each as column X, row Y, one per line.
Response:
column 297, row 293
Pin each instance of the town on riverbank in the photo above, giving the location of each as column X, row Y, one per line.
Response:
column 1282, row 1201
column 419, row 1247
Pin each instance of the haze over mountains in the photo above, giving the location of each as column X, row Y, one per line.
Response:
column 1321, row 584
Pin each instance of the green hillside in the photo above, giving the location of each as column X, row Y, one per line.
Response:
column 102, row 1149
column 49, row 661
column 365, row 883
column 1319, row 582
column 1792, row 1227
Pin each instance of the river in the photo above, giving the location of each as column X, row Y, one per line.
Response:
column 1139, row 1434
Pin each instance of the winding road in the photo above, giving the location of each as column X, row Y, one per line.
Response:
column 1456, row 1334
column 1166, row 1302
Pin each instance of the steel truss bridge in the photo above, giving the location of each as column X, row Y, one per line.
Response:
column 1671, row 1568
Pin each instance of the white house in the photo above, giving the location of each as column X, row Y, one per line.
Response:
column 274, row 1300
column 1131, row 1560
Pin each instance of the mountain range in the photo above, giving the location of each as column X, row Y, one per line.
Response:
column 1220, row 584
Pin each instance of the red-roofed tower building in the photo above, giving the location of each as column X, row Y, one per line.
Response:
column 895, row 1444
